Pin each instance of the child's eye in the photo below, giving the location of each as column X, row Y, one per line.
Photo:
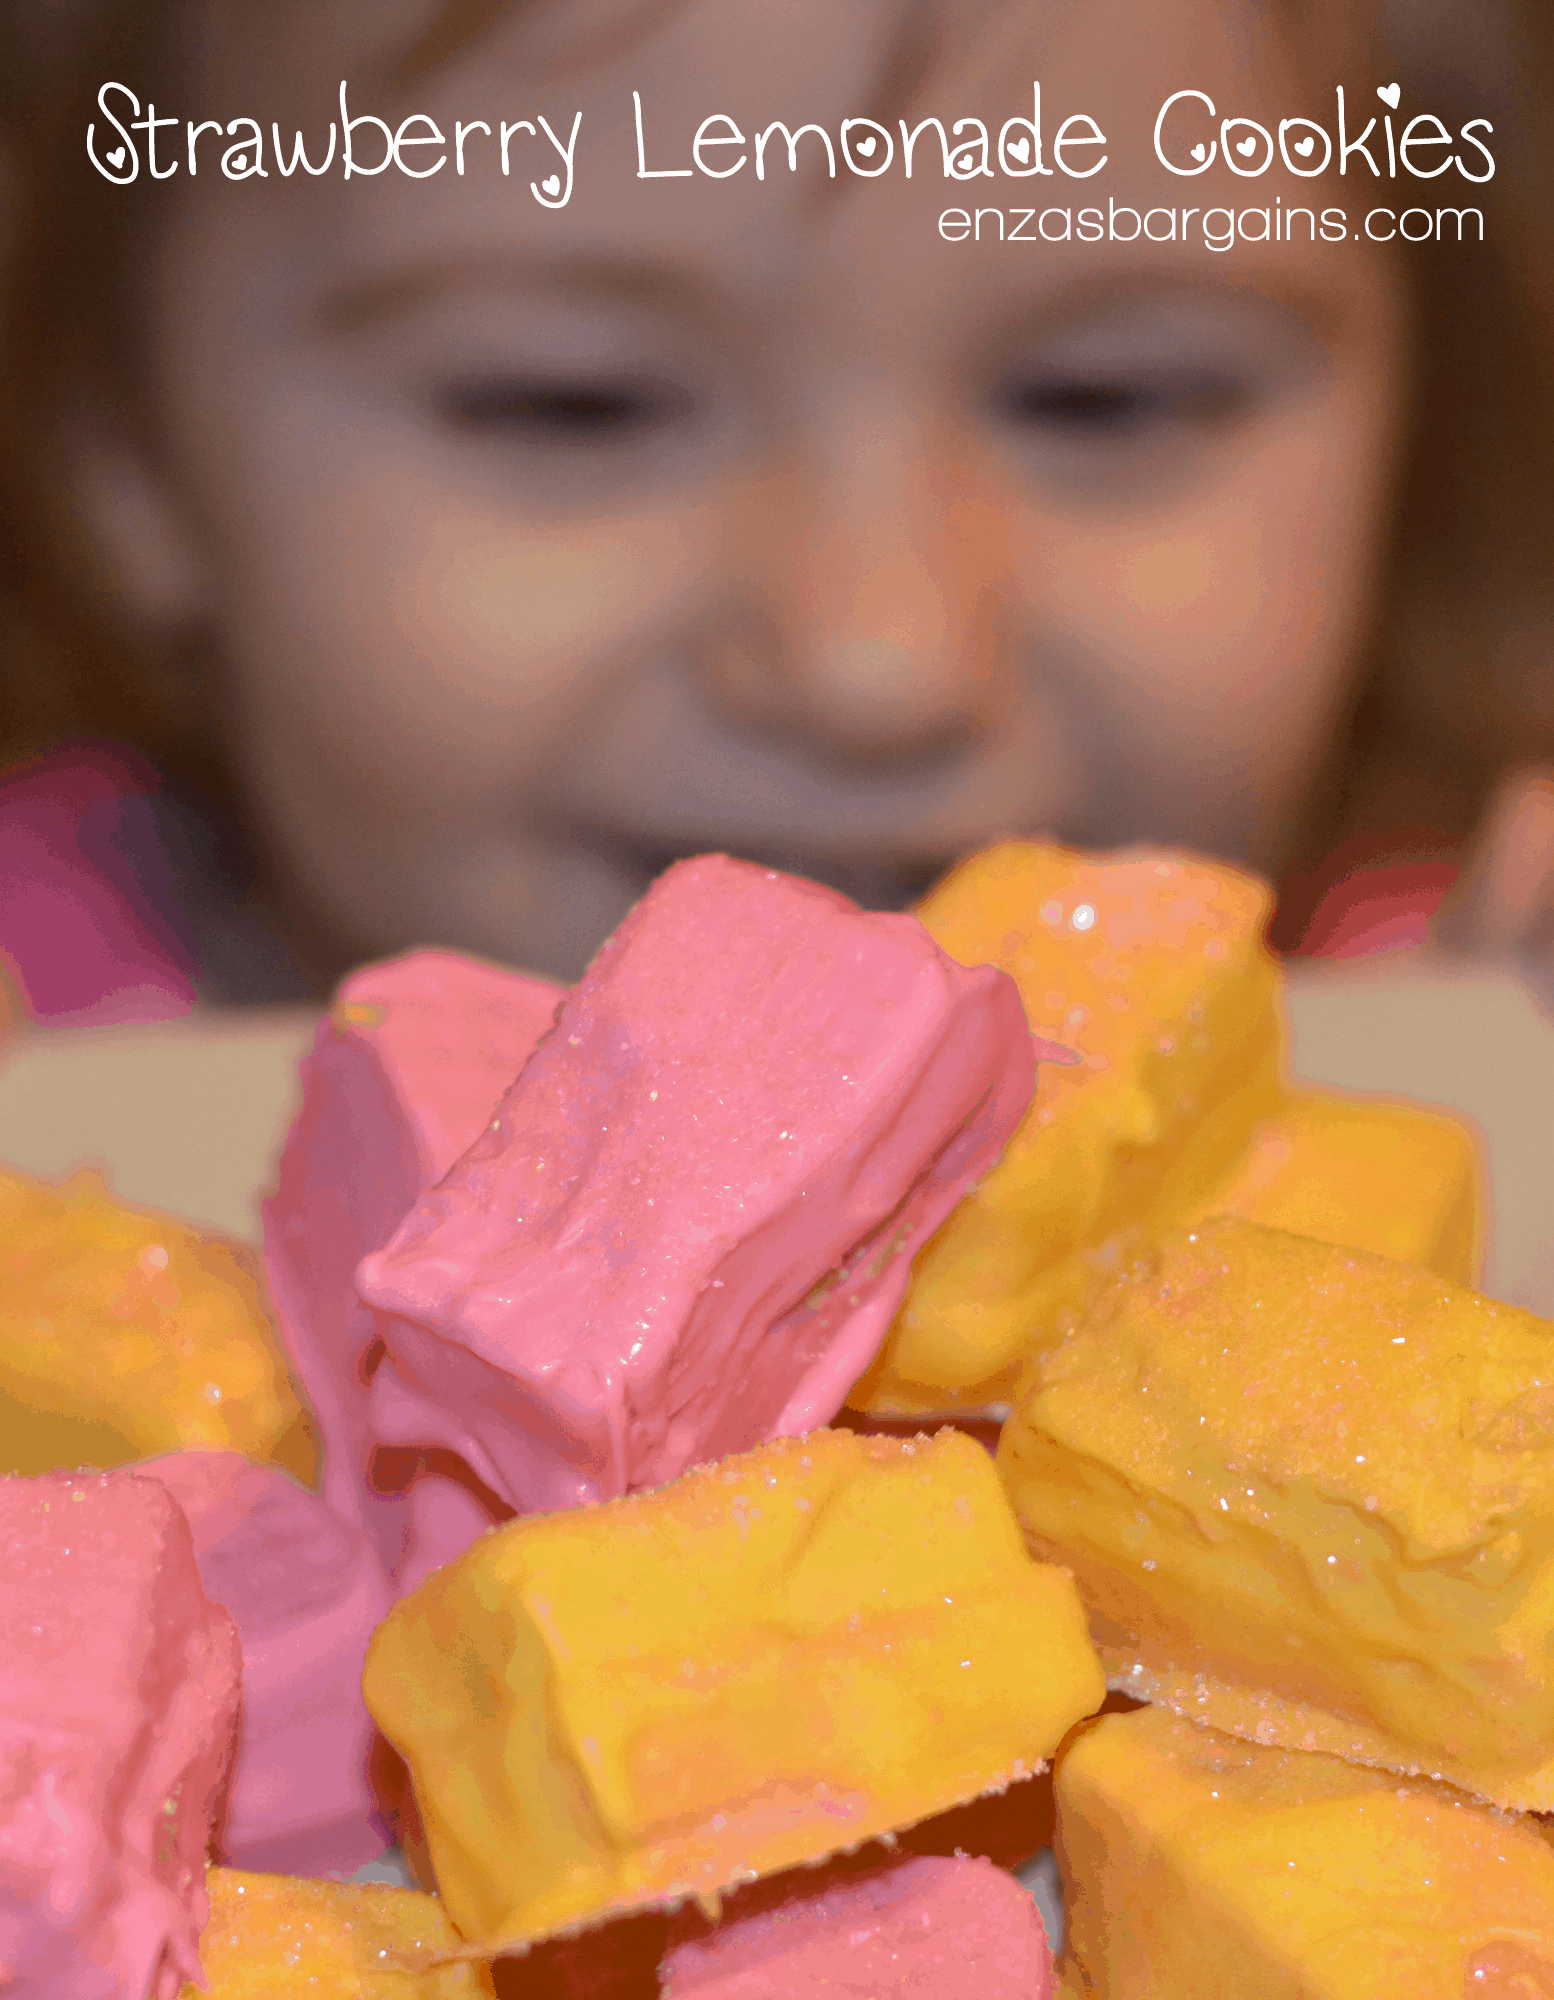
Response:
column 1140, row 389
column 1107, row 410
column 564, row 413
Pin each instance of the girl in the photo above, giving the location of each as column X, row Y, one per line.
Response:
column 482, row 540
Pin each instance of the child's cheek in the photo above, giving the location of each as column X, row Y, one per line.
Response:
column 1250, row 606
column 534, row 611
column 450, row 645
column 1179, row 583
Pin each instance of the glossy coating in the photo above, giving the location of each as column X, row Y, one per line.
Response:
column 694, row 1215
column 404, row 1075
column 118, row 1700
column 771, row 1659
column 124, row 1332
column 306, row 1591
column 1308, row 1496
column 1197, row 1864
column 1152, row 966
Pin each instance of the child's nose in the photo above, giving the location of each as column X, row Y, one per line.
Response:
column 883, row 615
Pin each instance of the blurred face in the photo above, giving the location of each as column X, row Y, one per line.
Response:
column 536, row 549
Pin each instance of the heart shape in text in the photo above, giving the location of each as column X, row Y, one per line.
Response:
column 1389, row 93
column 1246, row 147
column 1197, row 151
column 116, row 157
column 1019, row 149
column 1305, row 147
column 866, row 146
column 553, row 185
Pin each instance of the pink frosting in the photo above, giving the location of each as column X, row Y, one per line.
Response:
column 694, row 1216
column 307, row 1591
column 404, row 1075
column 945, row 1930
column 118, row 1701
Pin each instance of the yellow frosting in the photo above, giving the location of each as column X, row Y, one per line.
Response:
column 770, row 1659
column 1308, row 1496
column 274, row 1937
column 124, row 1334
column 1382, row 1176
column 1199, row 1865
column 1153, row 967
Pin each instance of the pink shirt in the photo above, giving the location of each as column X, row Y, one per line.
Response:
column 89, row 926
column 1376, row 909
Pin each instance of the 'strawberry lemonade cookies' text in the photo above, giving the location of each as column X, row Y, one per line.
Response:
column 1191, row 135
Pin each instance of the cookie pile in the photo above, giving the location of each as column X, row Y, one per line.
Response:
column 658, row 1628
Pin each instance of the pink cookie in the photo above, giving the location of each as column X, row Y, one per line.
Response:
column 695, row 1214
column 944, row 1930
column 404, row 1075
column 307, row 1592
column 118, row 1700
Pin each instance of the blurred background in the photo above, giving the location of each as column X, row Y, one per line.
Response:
column 145, row 868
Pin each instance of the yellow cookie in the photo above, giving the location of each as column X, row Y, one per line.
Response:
column 1366, row 1171
column 1152, row 965
column 1308, row 1497
column 770, row 1659
column 275, row 1937
column 125, row 1334
column 1199, row 1865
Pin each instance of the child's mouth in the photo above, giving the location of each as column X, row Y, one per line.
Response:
column 871, row 881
